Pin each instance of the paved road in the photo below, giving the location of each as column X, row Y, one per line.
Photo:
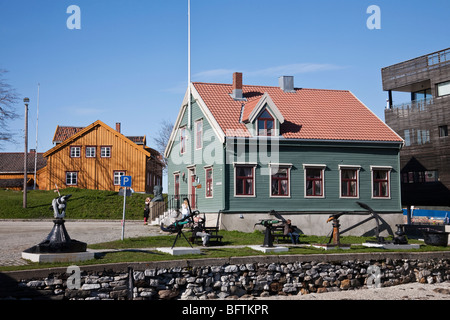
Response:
column 18, row 235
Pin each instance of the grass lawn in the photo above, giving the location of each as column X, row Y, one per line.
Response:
column 142, row 249
column 84, row 204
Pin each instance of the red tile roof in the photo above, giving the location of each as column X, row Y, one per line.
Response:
column 309, row 113
column 63, row 133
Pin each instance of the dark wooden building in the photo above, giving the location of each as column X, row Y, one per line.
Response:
column 423, row 122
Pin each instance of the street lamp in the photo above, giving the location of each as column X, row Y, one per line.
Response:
column 26, row 101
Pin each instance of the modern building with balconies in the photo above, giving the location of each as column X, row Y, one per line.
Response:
column 423, row 122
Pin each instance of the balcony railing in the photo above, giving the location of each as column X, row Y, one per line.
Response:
column 416, row 65
column 416, row 105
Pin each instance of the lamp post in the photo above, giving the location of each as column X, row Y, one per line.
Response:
column 25, row 101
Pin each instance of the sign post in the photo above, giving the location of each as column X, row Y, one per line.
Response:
column 125, row 181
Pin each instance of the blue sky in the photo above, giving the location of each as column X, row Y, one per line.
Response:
column 128, row 62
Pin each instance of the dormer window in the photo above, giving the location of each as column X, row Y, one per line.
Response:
column 265, row 124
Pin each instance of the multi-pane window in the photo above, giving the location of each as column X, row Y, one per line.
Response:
column 279, row 182
column 75, row 152
column 265, row 124
column 105, row 152
column 380, row 180
column 314, row 185
column 244, row 180
column 90, row 152
column 117, row 175
column 182, row 140
column 349, row 183
column 209, row 182
column 71, row 178
column 198, row 134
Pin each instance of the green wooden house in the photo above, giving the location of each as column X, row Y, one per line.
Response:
column 245, row 150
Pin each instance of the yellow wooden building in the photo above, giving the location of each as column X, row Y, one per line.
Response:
column 96, row 156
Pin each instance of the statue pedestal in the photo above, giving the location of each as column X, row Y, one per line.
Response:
column 269, row 249
column 58, row 257
column 177, row 251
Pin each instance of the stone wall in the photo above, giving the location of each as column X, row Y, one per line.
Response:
column 228, row 278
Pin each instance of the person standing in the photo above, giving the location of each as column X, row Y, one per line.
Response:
column 146, row 210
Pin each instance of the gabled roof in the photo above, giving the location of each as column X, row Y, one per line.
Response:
column 89, row 128
column 306, row 114
column 254, row 107
column 311, row 114
column 12, row 162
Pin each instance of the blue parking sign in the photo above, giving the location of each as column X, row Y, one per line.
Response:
column 125, row 181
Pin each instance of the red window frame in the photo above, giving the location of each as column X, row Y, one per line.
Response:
column 265, row 120
column 209, row 183
column 176, row 179
column 244, row 181
column 312, row 180
column 348, row 182
column 279, row 181
column 378, row 184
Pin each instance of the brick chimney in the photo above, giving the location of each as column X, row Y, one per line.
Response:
column 118, row 127
column 237, row 94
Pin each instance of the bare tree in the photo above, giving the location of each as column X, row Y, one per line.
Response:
column 162, row 139
column 8, row 101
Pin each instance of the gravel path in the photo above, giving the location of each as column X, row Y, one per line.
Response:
column 18, row 235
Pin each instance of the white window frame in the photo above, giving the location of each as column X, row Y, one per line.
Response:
column 384, row 168
column 314, row 166
column 91, row 154
column 250, row 165
column 75, row 152
column 349, row 167
column 287, row 166
column 105, row 152
column 70, row 175
column 117, row 174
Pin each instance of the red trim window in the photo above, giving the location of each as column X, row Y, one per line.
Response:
column 209, row 182
column 199, row 134
column 265, row 124
column 71, row 178
column 380, row 183
column 176, row 179
column 314, row 182
column 244, row 180
column 117, row 175
column 75, row 152
column 182, row 140
column 90, row 152
column 105, row 152
column 349, row 183
column 280, row 182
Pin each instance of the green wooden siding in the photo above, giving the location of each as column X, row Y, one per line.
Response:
column 331, row 155
column 211, row 154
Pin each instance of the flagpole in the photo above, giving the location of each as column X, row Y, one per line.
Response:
column 36, row 150
column 189, row 64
